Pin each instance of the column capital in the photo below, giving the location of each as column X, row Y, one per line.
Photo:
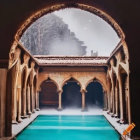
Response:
column 83, row 91
column 59, row 91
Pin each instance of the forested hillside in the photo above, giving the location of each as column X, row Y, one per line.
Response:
column 49, row 35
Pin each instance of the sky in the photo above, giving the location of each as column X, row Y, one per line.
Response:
column 97, row 34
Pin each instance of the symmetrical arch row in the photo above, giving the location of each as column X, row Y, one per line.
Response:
column 118, row 78
column 82, row 78
column 24, row 75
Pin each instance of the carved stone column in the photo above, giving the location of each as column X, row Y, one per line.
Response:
column 121, row 100
column 117, row 100
column 83, row 92
column 37, row 101
column 60, row 100
column 28, row 101
column 24, row 115
column 105, row 101
column 32, row 99
column 14, row 94
column 19, row 104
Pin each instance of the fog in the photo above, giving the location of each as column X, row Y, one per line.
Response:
column 70, row 32
column 95, row 32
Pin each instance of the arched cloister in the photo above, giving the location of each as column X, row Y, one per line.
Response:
column 71, row 95
column 95, row 95
column 133, row 71
column 48, row 95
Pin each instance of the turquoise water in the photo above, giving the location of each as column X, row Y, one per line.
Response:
column 69, row 128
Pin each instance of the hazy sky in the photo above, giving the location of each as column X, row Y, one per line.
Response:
column 95, row 32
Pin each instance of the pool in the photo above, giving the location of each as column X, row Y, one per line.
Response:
column 62, row 127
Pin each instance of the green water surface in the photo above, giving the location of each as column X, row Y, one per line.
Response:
column 55, row 127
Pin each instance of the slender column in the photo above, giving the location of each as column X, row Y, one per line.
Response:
column 19, row 97
column 105, row 101
column 117, row 102
column 60, row 100
column 129, row 106
column 24, row 101
column 19, row 104
column 28, row 101
column 14, row 94
column 121, row 100
column 83, row 99
column 109, row 102
column 32, row 98
column 113, row 98
column 37, row 101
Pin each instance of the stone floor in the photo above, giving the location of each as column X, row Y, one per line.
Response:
column 17, row 128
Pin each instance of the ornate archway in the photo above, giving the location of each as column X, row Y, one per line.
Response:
column 48, row 95
column 71, row 95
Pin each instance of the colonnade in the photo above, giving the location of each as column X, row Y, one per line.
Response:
column 83, row 92
column 24, row 86
column 118, row 80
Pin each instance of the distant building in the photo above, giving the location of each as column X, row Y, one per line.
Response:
column 94, row 53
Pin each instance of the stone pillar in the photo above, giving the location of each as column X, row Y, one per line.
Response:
column 105, row 101
column 3, row 75
column 14, row 93
column 19, row 104
column 28, row 101
column 121, row 100
column 60, row 100
column 129, row 106
column 117, row 102
column 37, row 101
column 24, row 102
column 109, row 101
column 32, row 99
column 19, row 97
column 83, row 99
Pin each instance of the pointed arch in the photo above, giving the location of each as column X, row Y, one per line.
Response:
column 99, row 81
column 71, row 77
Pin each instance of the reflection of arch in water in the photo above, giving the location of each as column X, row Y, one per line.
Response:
column 95, row 94
column 71, row 96
column 48, row 95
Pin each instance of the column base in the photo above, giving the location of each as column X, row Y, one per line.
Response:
column 122, row 121
column 84, row 109
column 29, row 113
column 116, row 116
column 33, row 111
column 24, row 117
column 19, row 121
column 14, row 122
column 37, row 109
column 105, row 109
column 59, row 109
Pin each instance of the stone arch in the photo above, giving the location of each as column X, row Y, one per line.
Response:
column 48, row 95
column 64, row 5
column 71, row 93
column 44, row 79
column 98, row 80
column 96, row 95
column 71, row 77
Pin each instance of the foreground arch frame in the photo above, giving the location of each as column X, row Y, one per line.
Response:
column 55, row 7
column 18, row 35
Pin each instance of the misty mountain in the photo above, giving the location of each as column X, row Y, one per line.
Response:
column 49, row 35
